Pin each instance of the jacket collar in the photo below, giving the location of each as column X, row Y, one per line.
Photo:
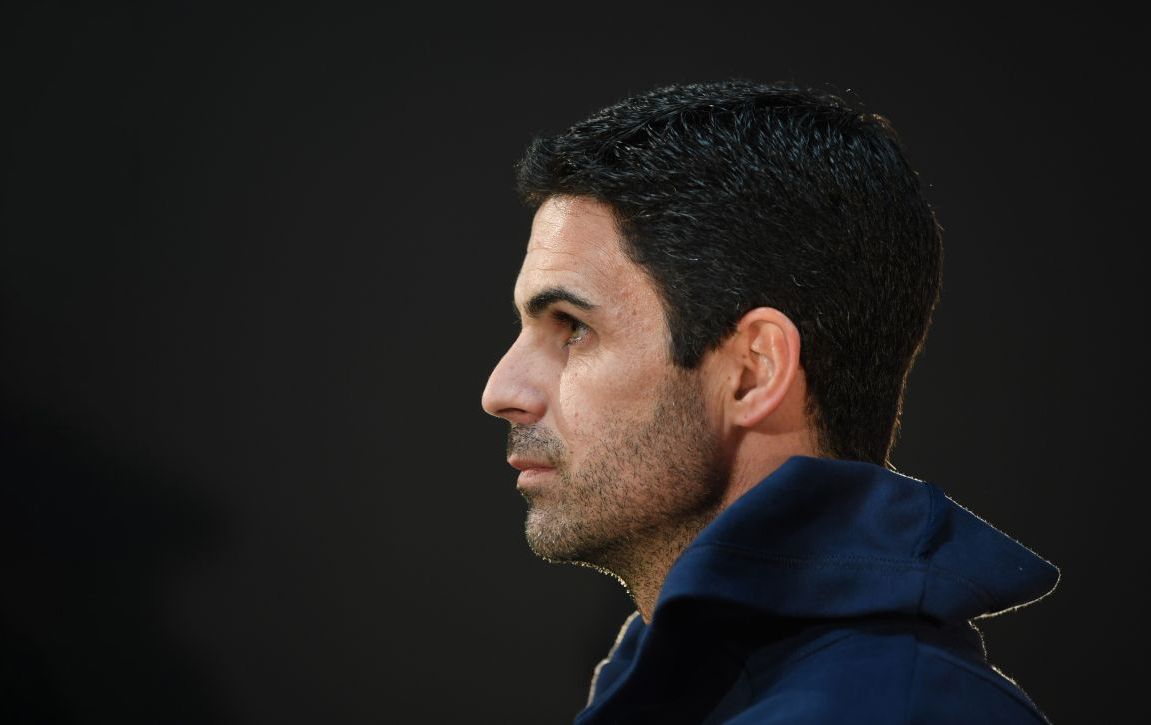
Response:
column 819, row 540
column 829, row 538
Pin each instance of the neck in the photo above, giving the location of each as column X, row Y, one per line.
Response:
column 756, row 456
column 642, row 562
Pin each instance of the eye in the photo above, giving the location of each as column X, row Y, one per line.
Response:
column 578, row 329
column 579, row 332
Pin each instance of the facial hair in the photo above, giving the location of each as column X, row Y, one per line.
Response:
column 644, row 489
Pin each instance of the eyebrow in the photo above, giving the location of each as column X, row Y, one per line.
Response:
column 544, row 299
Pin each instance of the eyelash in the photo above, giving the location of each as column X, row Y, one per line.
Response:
column 579, row 329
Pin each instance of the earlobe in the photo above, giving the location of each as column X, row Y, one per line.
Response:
column 765, row 352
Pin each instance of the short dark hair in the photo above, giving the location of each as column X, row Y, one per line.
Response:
column 736, row 195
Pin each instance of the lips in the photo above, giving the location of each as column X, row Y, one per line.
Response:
column 533, row 473
column 526, row 464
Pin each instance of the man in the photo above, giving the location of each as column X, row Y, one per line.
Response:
column 724, row 290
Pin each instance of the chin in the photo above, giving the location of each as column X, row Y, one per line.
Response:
column 555, row 541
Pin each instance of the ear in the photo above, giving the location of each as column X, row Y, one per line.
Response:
column 762, row 363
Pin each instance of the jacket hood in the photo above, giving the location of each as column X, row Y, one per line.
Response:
column 819, row 541
column 828, row 538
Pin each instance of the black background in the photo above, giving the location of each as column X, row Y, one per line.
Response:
column 257, row 264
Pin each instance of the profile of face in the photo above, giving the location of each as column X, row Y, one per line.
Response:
column 615, row 443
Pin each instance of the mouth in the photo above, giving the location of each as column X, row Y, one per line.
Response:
column 530, row 470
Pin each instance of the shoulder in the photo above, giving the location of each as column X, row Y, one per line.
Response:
column 878, row 674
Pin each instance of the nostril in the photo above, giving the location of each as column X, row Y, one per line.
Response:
column 518, row 416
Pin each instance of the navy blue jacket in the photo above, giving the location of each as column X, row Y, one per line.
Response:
column 832, row 592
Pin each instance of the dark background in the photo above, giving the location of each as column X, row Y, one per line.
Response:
column 257, row 264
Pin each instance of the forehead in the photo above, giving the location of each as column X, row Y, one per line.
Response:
column 575, row 244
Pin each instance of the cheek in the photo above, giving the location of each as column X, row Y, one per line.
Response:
column 576, row 404
column 595, row 398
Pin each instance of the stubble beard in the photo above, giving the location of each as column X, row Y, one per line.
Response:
column 642, row 493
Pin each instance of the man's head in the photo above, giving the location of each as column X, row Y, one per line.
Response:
column 735, row 195
column 712, row 270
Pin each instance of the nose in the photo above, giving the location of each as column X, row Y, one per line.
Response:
column 514, row 392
